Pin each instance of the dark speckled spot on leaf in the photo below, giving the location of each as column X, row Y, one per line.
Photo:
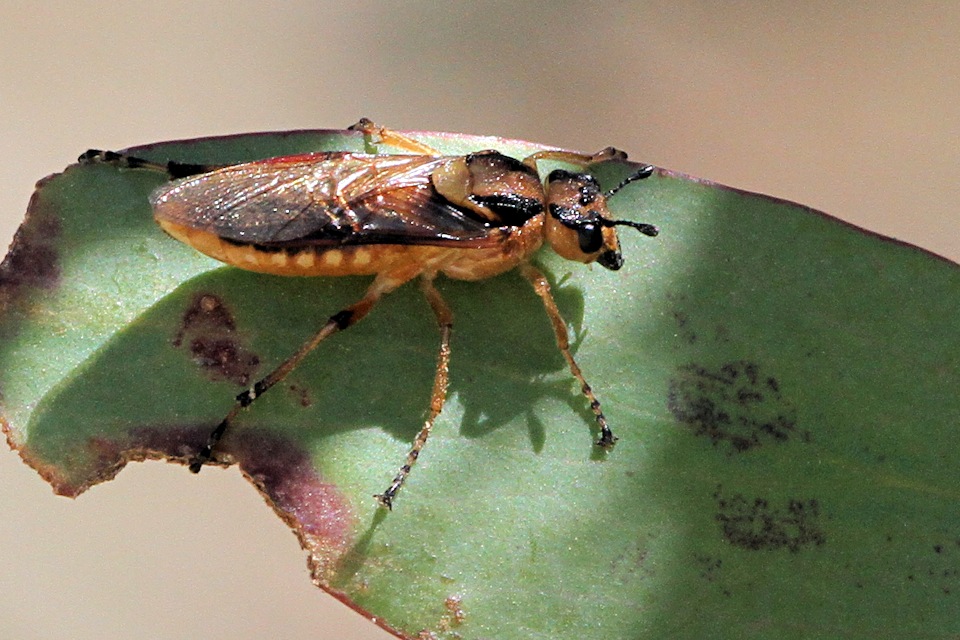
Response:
column 735, row 403
column 756, row 524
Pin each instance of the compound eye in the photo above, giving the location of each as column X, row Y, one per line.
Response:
column 590, row 236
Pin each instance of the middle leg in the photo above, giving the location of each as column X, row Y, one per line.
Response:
column 439, row 395
column 343, row 319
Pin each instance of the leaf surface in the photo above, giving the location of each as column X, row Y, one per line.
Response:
column 784, row 387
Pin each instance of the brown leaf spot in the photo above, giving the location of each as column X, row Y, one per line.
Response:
column 302, row 395
column 32, row 258
column 209, row 332
column 454, row 606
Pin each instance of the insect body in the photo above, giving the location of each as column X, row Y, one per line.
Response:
column 396, row 217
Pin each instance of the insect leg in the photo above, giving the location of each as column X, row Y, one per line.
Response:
column 122, row 160
column 542, row 287
column 439, row 395
column 374, row 135
column 578, row 159
column 343, row 319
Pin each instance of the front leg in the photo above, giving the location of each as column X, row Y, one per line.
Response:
column 542, row 287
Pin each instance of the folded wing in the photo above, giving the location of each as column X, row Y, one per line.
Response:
column 323, row 199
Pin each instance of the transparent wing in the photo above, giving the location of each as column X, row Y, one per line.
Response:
column 322, row 198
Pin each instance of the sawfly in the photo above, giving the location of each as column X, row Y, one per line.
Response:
column 395, row 217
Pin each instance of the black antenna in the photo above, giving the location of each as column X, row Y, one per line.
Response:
column 642, row 227
column 640, row 174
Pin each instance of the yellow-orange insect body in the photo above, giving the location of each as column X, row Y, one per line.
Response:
column 334, row 214
column 396, row 217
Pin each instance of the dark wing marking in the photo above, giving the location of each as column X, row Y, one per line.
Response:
column 322, row 198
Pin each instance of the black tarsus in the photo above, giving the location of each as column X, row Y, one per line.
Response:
column 206, row 452
column 172, row 168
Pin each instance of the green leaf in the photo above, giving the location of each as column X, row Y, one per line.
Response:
column 784, row 387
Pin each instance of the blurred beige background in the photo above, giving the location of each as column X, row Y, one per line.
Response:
column 854, row 112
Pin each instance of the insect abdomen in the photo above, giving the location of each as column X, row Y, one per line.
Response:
column 306, row 260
